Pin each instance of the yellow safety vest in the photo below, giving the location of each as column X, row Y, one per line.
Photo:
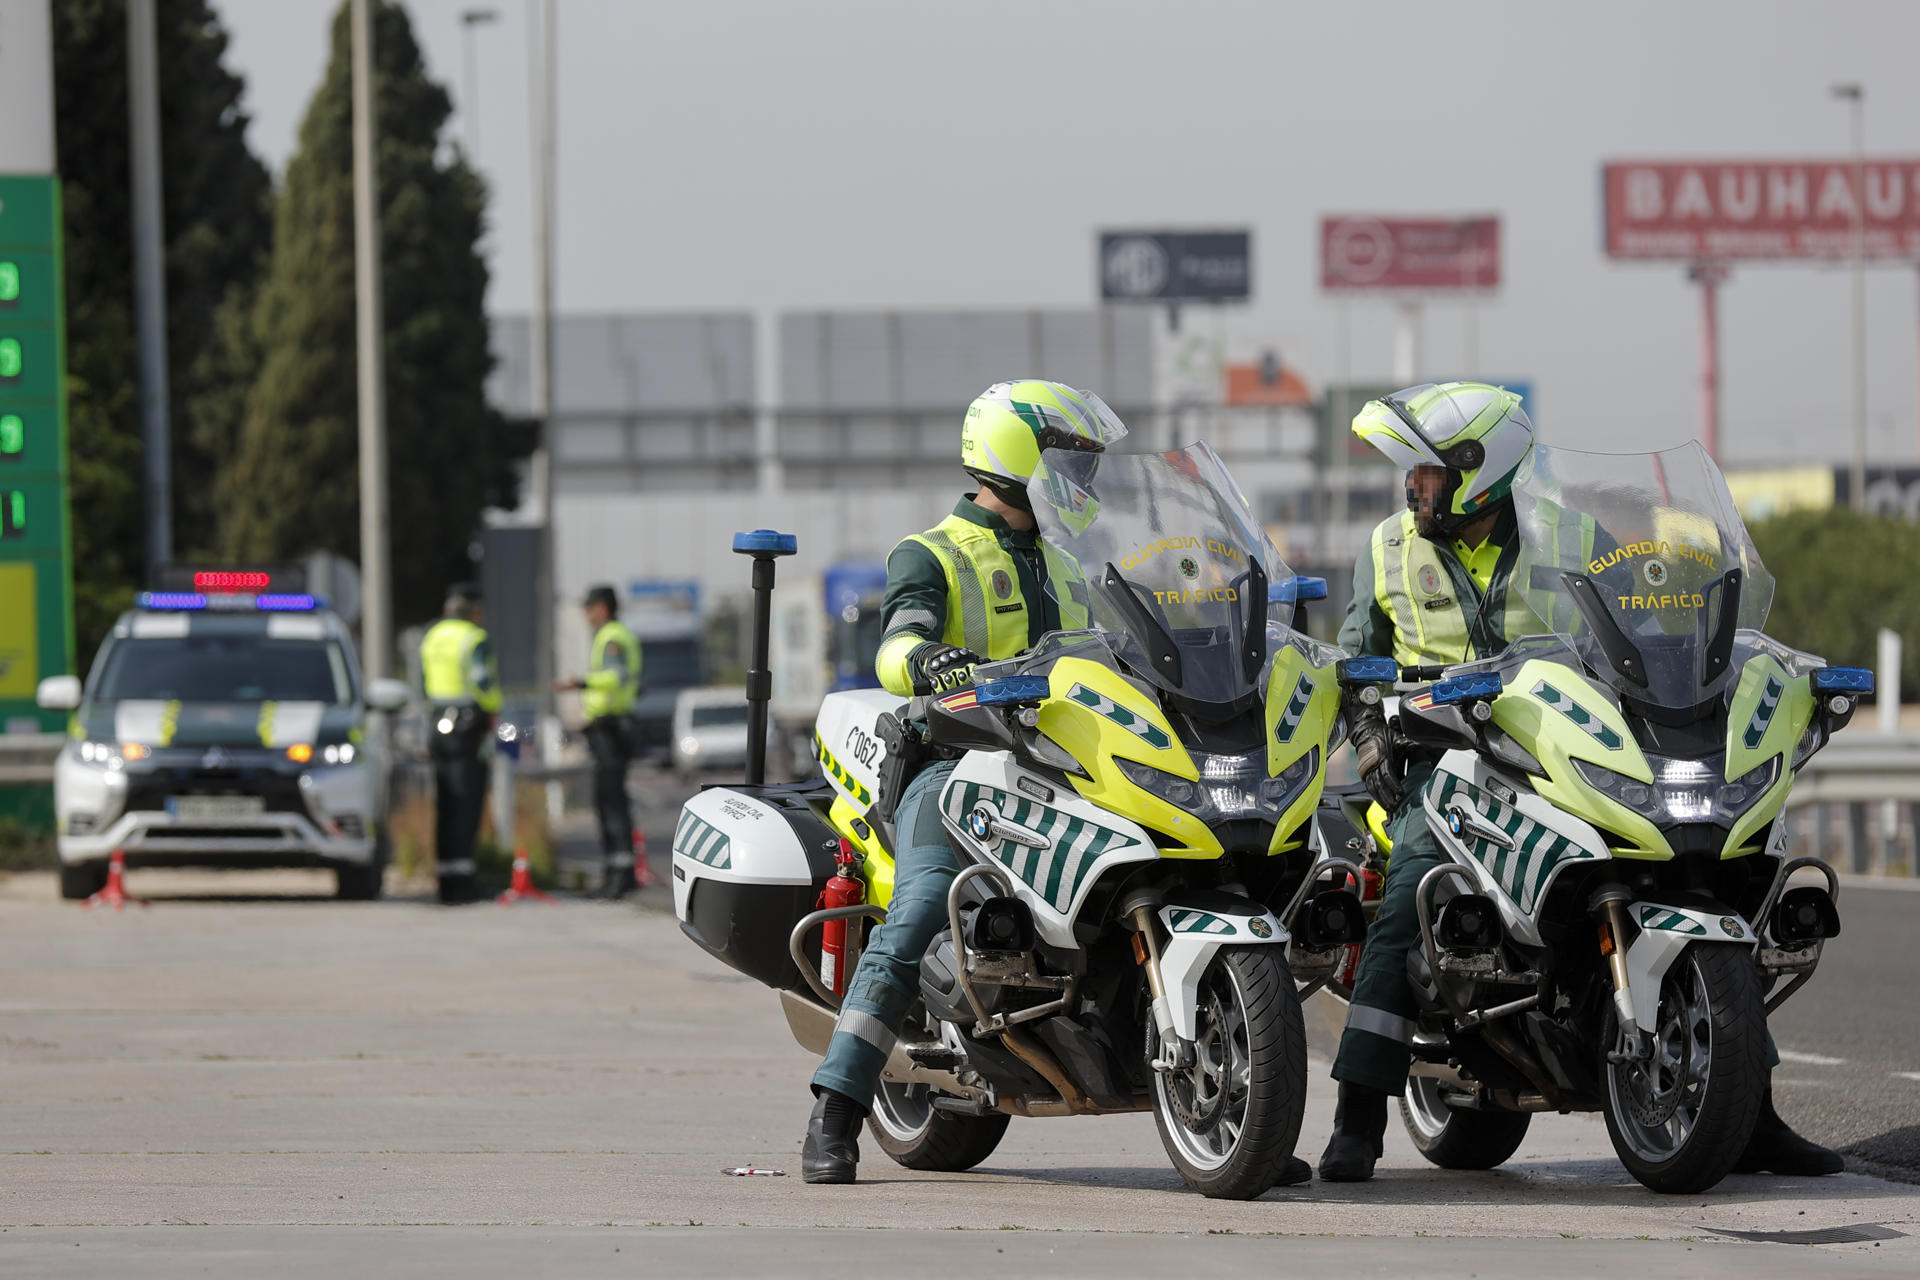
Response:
column 451, row 674
column 982, row 579
column 1414, row 589
column 611, row 691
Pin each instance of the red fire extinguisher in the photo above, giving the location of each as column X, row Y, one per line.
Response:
column 1370, row 888
column 845, row 890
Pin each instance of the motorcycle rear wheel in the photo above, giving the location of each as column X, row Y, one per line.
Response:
column 1459, row 1138
column 1230, row 1121
column 918, row 1135
column 1681, row 1120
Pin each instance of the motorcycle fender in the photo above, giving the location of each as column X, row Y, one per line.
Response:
column 1666, row 931
column 1197, row 925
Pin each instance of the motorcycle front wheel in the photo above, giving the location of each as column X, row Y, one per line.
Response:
column 1230, row 1120
column 1681, row 1116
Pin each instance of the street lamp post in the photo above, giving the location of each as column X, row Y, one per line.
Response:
column 1856, row 95
column 470, row 81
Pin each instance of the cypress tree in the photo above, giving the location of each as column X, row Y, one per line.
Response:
column 294, row 487
column 216, row 204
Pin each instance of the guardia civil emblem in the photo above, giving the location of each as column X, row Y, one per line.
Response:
column 1655, row 572
column 1188, row 568
column 1002, row 584
column 1429, row 579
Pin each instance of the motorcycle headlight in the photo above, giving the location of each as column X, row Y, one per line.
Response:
column 1229, row 787
column 1683, row 790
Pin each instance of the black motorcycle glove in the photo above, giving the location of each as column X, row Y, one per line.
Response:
column 1373, row 750
column 940, row 667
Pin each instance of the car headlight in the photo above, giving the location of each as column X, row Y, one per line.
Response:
column 1229, row 787
column 689, row 746
column 112, row 755
column 339, row 753
column 1683, row 790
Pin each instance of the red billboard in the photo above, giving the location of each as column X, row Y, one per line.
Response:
column 1410, row 254
column 1722, row 210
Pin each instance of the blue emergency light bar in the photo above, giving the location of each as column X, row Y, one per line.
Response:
column 1010, row 691
column 1842, row 680
column 171, row 600
column 1467, row 688
column 1369, row 671
column 193, row 601
column 1298, row 587
column 765, row 542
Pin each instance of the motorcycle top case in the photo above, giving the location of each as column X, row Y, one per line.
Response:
column 748, row 862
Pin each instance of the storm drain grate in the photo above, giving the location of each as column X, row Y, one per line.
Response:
column 1820, row 1235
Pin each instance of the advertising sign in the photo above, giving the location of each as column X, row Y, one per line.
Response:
column 1176, row 266
column 1359, row 252
column 1723, row 210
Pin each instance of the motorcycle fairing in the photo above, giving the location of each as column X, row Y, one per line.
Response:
column 847, row 743
column 1198, row 923
column 1768, row 713
column 1098, row 716
column 1560, row 716
column 1302, row 706
column 1665, row 931
column 1054, row 849
column 1545, row 840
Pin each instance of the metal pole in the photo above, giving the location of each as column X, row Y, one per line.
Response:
column 1709, row 276
column 1856, row 96
column 376, row 591
column 540, row 25
column 149, row 279
column 470, row 79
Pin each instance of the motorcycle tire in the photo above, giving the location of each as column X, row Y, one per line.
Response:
column 1710, row 1054
column 1459, row 1138
column 918, row 1135
column 1250, row 1029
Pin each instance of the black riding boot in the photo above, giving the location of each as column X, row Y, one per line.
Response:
column 1359, row 1135
column 831, row 1152
column 1774, row 1148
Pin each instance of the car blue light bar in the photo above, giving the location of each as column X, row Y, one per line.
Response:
column 1843, row 680
column 171, row 600
column 1010, row 691
column 765, row 542
column 1468, row 688
column 287, row 603
column 1369, row 671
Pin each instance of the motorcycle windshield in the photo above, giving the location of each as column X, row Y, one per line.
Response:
column 1642, row 563
column 1162, row 552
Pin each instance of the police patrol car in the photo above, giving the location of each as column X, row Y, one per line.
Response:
column 223, row 724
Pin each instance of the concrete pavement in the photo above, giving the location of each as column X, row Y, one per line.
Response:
column 298, row 1083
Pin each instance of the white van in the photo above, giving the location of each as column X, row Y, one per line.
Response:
column 710, row 729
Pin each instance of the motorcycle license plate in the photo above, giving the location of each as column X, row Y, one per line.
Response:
column 201, row 808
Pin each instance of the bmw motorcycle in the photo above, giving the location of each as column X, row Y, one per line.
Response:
column 1614, row 921
column 1133, row 806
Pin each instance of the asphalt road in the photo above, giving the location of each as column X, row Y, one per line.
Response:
column 250, row 1077
column 1849, row 1040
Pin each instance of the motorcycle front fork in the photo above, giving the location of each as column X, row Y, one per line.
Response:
column 1610, row 906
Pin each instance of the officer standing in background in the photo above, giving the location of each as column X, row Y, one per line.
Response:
column 607, row 694
column 463, row 693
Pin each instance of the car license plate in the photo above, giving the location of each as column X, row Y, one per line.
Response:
column 200, row 808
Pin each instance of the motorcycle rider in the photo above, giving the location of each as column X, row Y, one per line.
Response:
column 971, row 589
column 1436, row 586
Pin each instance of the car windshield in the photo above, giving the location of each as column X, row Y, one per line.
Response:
column 719, row 715
column 1636, row 560
column 1162, row 552
column 225, row 668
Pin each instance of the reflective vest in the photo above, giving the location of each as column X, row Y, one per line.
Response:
column 1414, row 588
column 453, row 669
column 612, row 688
column 982, row 580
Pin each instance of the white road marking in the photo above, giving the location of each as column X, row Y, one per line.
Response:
column 1811, row 1059
column 1908, row 1075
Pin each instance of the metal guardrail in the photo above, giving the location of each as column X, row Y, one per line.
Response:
column 28, row 757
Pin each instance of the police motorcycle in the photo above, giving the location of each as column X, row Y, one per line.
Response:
column 1615, row 920
column 1133, row 808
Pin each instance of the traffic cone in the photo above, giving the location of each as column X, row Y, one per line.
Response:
column 115, row 894
column 642, row 873
column 522, row 887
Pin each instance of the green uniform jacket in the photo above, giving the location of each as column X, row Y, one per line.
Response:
column 1001, row 605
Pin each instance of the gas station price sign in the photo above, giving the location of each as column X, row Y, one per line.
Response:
column 36, row 594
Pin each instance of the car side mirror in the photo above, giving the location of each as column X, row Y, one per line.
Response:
column 387, row 695
column 58, row 693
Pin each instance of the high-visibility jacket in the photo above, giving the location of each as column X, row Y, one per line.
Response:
column 613, row 672
column 1415, row 601
column 456, row 666
column 973, row 582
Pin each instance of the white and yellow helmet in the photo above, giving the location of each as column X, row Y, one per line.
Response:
column 1475, row 430
column 1010, row 423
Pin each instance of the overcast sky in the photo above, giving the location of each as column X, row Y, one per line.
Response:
column 726, row 154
